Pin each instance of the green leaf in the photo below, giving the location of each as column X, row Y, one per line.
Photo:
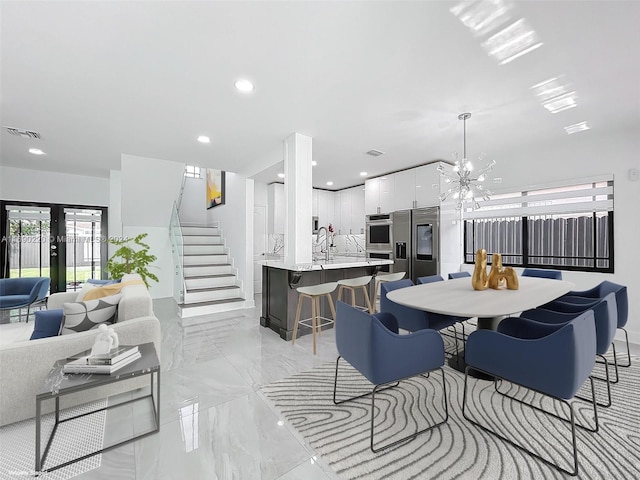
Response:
column 132, row 257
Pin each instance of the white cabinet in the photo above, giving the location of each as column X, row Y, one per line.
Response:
column 379, row 195
column 427, row 180
column 371, row 196
column 326, row 213
column 344, row 226
column 404, row 186
column 357, row 209
column 386, row 194
column 276, row 209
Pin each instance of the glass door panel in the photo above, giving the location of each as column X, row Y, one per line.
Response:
column 28, row 240
column 83, row 246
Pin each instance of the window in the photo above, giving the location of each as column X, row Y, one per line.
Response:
column 562, row 226
column 192, row 171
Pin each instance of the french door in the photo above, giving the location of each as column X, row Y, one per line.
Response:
column 64, row 242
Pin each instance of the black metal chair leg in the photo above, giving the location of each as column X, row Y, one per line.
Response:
column 626, row 336
column 571, row 420
column 412, row 435
column 584, row 427
column 606, row 379
column 335, row 386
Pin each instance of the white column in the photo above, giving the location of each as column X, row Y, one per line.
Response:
column 297, row 199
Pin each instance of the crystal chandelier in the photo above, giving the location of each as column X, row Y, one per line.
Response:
column 466, row 185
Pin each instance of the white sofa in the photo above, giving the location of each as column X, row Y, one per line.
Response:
column 25, row 365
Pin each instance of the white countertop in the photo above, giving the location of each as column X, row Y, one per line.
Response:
column 339, row 262
column 457, row 297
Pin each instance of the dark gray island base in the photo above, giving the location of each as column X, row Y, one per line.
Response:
column 280, row 298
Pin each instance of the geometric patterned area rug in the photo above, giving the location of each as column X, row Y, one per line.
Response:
column 458, row 449
column 73, row 439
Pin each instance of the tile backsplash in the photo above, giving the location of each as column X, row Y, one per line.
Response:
column 348, row 245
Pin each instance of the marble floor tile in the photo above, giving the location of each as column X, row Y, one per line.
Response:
column 307, row 470
column 214, row 423
column 212, row 382
column 239, row 439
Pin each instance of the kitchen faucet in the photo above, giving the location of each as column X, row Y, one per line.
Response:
column 326, row 241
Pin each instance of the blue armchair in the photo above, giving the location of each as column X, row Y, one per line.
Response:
column 598, row 292
column 445, row 318
column 540, row 273
column 411, row 319
column 22, row 292
column 453, row 275
column 605, row 316
column 552, row 359
column 372, row 345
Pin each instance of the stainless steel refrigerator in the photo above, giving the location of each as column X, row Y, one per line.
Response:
column 416, row 246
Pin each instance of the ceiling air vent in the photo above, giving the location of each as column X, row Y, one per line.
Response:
column 19, row 132
column 374, row 153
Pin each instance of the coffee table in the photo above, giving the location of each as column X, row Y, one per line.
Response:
column 58, row 384
column 458, row 298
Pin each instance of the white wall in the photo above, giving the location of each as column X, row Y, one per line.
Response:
column 193, row 209
column 581, row 155
column 115, row 207
column 51, row 187
column 236, row 220
column 149, row 188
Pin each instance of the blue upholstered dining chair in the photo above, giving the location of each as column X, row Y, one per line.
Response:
column 605, row 317
column 542, row 273
column 554, row 360
column 586, row 297
column 460, row 320
column 22, row 292
column 409, row 318
column 453, row 275
column 372, row 345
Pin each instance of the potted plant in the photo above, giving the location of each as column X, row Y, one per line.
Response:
column 132, row 257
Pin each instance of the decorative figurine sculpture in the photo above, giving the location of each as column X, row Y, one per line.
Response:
column 479, row 277
column 106, row 340
column 498, row 276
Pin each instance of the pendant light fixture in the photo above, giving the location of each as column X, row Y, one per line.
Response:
column 466, row 185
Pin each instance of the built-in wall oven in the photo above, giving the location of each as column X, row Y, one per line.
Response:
column 379, row 233
column 383, row 256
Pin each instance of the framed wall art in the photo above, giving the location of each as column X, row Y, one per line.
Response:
column 215, row 188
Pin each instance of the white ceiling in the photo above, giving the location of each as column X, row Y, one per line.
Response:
column 97, row 79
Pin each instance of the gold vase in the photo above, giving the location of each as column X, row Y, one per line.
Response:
column 479, row 278
column 500, row 276
column 495, row 277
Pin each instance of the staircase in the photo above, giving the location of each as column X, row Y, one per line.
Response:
column 210, row 280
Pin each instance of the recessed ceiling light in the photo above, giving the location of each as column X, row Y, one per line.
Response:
column 36, row 151
column 313, row 163
column 281, row 175
column 512, row 42
column 329, row 183
column 244, row 85
column 577, row 127
column 204, row 139
column 561, row 103
column 363, row 174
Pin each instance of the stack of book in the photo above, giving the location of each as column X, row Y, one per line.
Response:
column 108, row 363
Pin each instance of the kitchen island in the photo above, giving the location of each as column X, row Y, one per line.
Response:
column 280, row 281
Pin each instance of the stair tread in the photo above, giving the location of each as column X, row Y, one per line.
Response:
column 211, row 289
column 207, row 265
column 201, row 235
column 215, row 275
column 211, row 302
